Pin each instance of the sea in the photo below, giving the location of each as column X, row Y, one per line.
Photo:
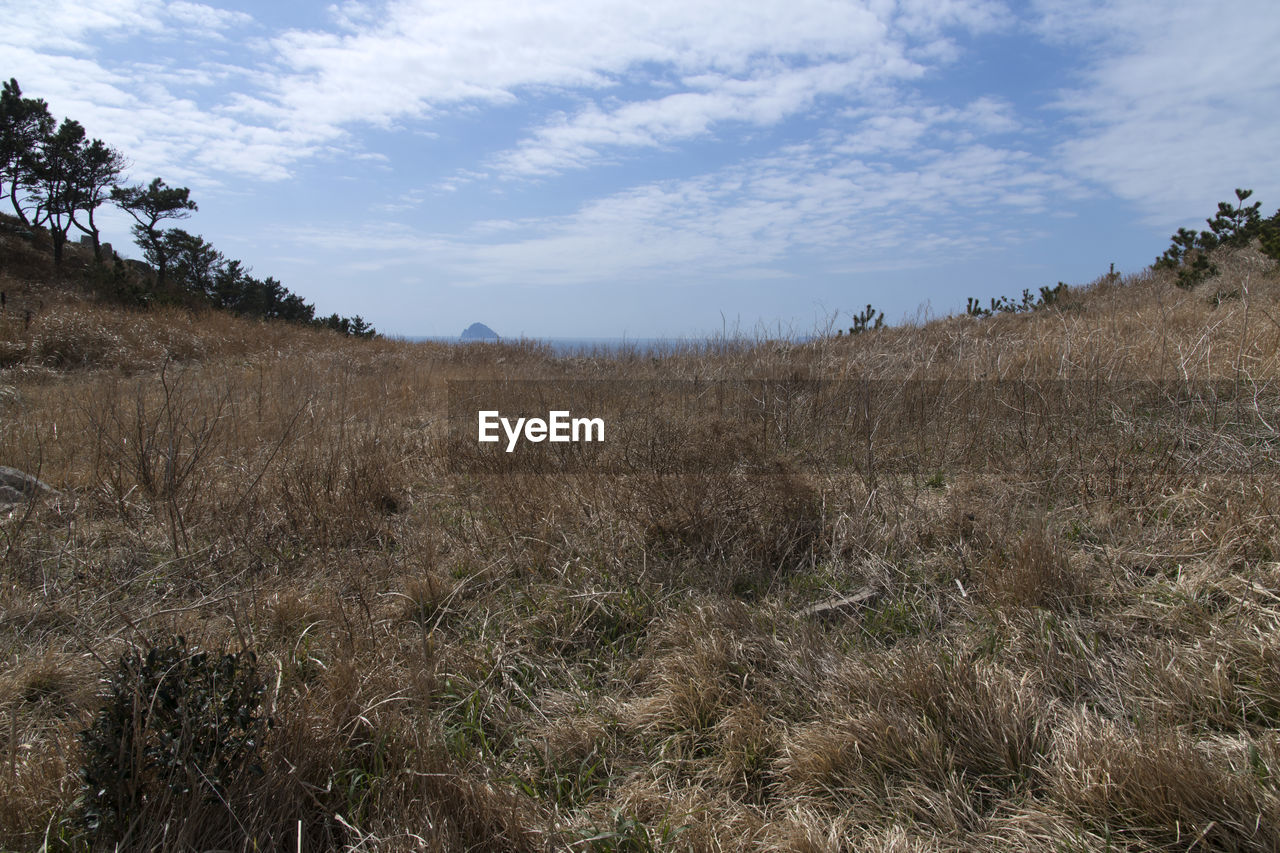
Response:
column 602, row 347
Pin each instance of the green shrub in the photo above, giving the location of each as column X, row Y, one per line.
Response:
column 1234, row 225
column 1048, row 297
column 175, row 722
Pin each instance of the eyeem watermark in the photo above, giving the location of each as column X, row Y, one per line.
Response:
column 867, row 427
column 559, row 427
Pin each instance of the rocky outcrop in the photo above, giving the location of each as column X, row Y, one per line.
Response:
column 17, row 486
column 479, row 332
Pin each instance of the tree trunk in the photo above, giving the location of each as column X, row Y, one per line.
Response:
column 17, row 207
column 97, row 243
column 92, row 231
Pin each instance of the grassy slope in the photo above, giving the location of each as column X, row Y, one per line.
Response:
column 1064, row 657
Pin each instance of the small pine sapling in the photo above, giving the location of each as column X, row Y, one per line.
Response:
column 1049, row 296
column 1233, row 225
column 866, row 320
column 974, row 308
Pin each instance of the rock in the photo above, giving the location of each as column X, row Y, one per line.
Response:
column 479, row 332
column 18, row 231
column 16, row 486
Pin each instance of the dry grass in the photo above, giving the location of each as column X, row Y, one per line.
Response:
column 1070, row 641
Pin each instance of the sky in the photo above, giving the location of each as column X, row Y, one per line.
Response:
column 646, row 168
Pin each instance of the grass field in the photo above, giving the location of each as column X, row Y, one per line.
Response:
column 1066, row 634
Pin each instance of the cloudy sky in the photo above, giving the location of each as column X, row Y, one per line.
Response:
column 669, row 167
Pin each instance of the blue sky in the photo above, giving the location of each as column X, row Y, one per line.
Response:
column 669, row 167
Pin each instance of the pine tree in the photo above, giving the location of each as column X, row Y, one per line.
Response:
column 25, row 124
column 149, row 206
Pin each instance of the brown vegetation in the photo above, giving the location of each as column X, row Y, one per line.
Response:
column 1072, row 641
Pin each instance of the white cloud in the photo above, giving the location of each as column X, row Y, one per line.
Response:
column 135, row 110
column 68, row 25
column 1180, row 103
column 930, row 17
column 421, row 56
column 899, row 129
column 821, row 201
column 134, row 104
column 303, row 92
column 197, row 18
column 763, row 100
column 65, row 24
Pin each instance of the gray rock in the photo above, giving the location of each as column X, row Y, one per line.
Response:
column 24, row 233
column 479, row 332
column 16, row 486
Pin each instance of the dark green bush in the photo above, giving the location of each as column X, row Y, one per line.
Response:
column 175, row 723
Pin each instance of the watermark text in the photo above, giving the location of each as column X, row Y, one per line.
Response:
column 558, row 427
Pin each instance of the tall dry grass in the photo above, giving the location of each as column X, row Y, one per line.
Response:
column 1065, row 637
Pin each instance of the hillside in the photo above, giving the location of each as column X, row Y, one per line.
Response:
column 1037, row 610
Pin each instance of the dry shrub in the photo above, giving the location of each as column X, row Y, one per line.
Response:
column 1158, row 789
column 39, row 786
column 669, row 439
column 527, row 511
column 915, row 726
column 342, row 487
column 72, row 340
column 729, row 532
column 1033, row 572
column 290, row 613
column 747, row 745
column 1228, row 682
column 157, row 437
column 425, row 596
column 698, row 667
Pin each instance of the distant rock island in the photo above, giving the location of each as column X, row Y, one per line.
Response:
column 479, row 332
